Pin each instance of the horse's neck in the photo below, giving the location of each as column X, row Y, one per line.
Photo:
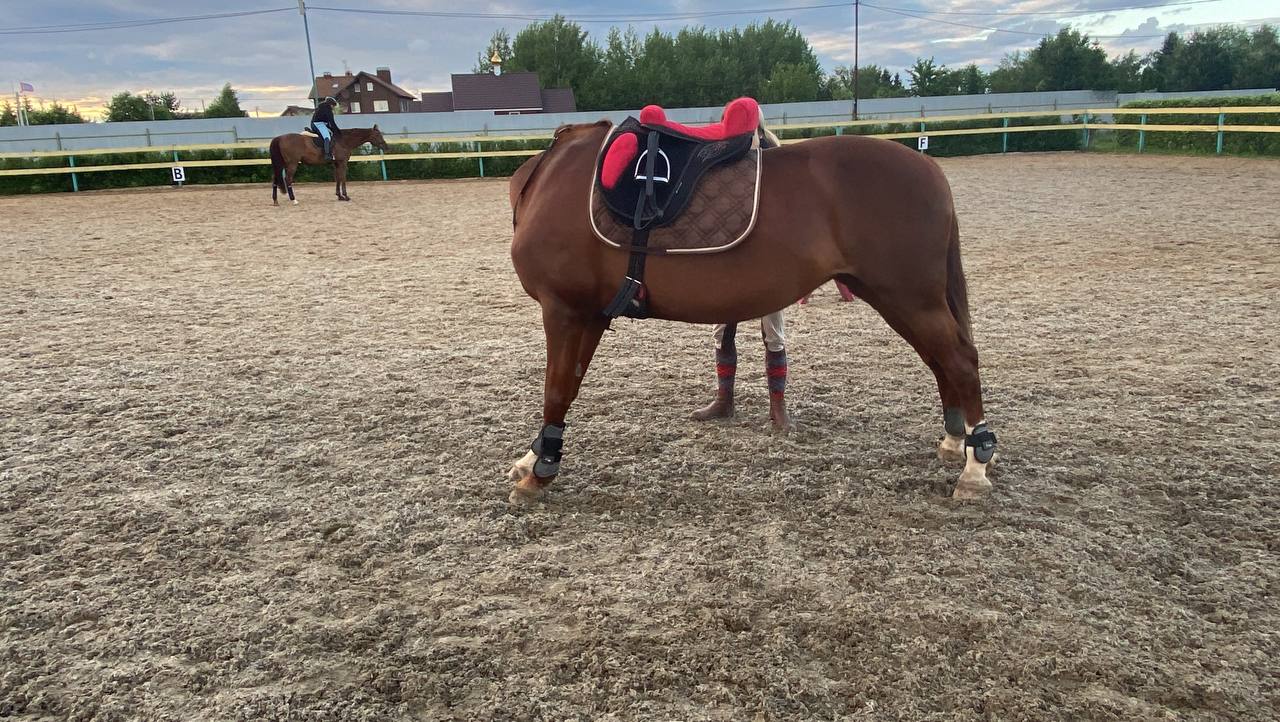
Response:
column 356, row 136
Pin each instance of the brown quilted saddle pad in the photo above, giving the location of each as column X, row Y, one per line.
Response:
column 720, row 214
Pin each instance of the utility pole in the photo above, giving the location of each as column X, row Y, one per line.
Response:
column 856, row 5
column 17, row 106
column 315, row 93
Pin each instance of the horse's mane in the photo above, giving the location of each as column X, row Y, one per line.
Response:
column 524, row 174
column 570, row 127
column 768, row 133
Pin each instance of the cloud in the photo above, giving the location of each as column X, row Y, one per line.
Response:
column 265, row 58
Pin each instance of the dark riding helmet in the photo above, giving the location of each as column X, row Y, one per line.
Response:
column 330, row 100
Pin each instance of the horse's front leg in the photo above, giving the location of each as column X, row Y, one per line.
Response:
column 571, row 343
column 339, row 178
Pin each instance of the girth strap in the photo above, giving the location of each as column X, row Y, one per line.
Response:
column 631, row 299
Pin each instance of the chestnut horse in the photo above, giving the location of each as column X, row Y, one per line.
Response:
column 870, row 213
column 290, row 149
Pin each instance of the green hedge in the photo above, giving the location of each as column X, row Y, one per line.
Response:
column 1199, row 142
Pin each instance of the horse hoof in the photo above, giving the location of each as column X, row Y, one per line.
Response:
column 951, row 448
column 971, row 488
column 528, row 490
column 525, row 496
column 295, row 203
column 522, row 468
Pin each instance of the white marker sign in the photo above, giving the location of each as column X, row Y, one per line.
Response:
column 179, row 173
column 922, row 143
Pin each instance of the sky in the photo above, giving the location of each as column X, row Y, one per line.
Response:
column 264, row 56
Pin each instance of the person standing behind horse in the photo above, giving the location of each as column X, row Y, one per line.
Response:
column 323, row 124
column 775, row 352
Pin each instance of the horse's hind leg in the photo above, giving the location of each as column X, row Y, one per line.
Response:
column 571, row 343
column 935, row 334
column 288, row 181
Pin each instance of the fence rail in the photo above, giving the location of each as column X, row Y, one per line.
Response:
column 1082, row 120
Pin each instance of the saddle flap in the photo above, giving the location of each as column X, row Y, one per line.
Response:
column 706, row 193
column 679, row 167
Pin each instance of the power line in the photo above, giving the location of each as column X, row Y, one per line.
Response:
column 120, row 24
column 995, row 29
column 1059, row 13
column 691, row 15
column 603, row 17
column 586, row 17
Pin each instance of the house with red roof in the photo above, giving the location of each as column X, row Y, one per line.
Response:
column 365, row 92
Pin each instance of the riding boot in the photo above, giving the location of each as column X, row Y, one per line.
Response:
column 776, row 369
column 328, row 149
column 726, row 368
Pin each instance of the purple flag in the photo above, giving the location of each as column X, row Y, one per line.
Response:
column 26, row 87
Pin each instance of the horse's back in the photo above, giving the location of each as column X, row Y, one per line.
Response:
column 856, row 172
column 874, row 159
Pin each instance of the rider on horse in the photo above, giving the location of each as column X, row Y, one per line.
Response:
column 323, row 124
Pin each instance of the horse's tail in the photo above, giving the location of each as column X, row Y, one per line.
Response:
column 957, row 288
column 277, row 165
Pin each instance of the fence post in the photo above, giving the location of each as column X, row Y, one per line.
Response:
column 1222, row 119
column 1086, row 130
column 235, row 135
column 75, row 182
column 1004, row 137
column 175, row 162
column 58, row 137
column 148, row 134
column 1142, row 134
column 383, row 163
column 475, row 147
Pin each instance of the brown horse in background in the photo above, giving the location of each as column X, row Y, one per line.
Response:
column 290, row 149
column 870, row 213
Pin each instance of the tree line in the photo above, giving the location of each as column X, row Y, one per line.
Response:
column 128, row 106
column 774, row 63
